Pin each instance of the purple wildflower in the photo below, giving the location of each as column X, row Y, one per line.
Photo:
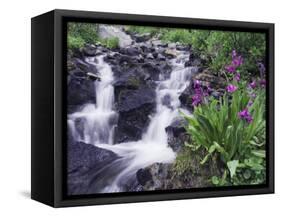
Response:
column 196, row 99
column 230, row 68
column 237, row 61
column 231, row 88
column 237, row 77
column 253, row 84
column 196, row 84
column 250, row 103
column 245, row 114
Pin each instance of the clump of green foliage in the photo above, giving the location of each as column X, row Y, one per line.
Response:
column 80, row 34
column 232, row 126
column 196, row 38
column 74, row 42
column 250, row 45
column 217, row 128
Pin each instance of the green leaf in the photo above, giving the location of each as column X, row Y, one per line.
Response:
column 215, row 180
column 205, row 159
column 259, row 153
column 232, row 166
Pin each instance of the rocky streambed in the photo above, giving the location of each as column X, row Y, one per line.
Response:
column 124, row 129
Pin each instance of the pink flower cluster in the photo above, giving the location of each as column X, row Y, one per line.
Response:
column 200, row 93
column 245, row 115
column 235, row 63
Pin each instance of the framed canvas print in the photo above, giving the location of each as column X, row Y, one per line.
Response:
column 130, row 108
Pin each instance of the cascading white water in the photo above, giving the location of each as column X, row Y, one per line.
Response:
column 153, row 147
column 97, row 118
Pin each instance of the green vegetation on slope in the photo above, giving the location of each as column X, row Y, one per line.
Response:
column 80, row 34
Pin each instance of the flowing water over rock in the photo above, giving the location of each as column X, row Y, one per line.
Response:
column 97, row 119
column 94, row 124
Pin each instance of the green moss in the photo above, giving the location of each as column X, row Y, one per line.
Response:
column 188, row 170
column 133, row 81
column 187, row 160
column 110, row 42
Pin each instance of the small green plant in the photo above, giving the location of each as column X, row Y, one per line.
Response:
column 83, row 31
column 110, row 42
column 75, row 42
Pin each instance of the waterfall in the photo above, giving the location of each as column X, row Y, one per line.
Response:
column 97, row 118
column 98, row 125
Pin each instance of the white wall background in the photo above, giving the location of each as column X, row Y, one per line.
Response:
column 15, row 106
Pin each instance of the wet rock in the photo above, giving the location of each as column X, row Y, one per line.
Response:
column 131, row 51
column 177, row 135
column 161, row 57
column 83, row 66
column 209, row 79
column 186, row 97
column 142, row 37
column 143, row 176
column 84, row 160
column 145, row 47
column 133, row 99
column 134, row 108
column 152, row 69
column 89, row 50
column 171, row 53
column 93, row 76
column 78, row 73
column 150, row 56
column 159, row 43
column 154, row 177
column 132, row 123
column 80, row 91
column 183, row 48
column 166, row 100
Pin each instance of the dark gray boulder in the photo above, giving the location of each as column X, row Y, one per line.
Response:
column 89, row 50
column 177, row 135
column 134, row 108
column 84, row 161
column 80, row 91
column 186, row 97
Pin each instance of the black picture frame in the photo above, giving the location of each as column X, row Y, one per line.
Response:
column 48, row 148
